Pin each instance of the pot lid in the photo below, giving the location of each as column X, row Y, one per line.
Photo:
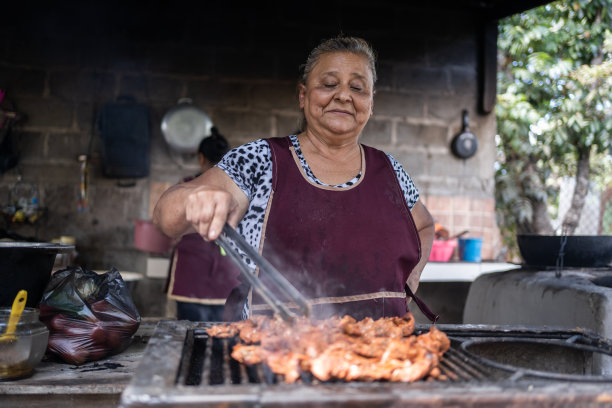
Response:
column 184, row 126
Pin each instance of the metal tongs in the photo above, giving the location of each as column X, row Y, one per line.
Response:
column 266, row 267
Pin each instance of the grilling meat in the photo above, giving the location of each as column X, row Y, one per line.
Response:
column 338, row 348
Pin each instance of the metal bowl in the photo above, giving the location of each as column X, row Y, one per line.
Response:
column 579, row 251
column 27, row 265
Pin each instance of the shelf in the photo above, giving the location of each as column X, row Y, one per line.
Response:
column 462, row 271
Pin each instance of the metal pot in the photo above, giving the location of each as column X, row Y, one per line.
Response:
column 584, row 251
column 27, row 265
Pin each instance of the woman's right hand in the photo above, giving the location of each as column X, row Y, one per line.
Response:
column 202, row 205
column 207, row 209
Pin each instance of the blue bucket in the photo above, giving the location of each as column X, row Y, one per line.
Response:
column 470, row 249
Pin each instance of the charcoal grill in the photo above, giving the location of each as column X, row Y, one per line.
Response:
column 485, row 366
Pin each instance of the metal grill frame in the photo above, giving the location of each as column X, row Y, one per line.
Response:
column 162, row 378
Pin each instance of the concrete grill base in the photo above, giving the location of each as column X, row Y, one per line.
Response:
column 578, row 298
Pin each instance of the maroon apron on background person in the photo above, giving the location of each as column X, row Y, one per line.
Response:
column 350, row 250
column 199, row 273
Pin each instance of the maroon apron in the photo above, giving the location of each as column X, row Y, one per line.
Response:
column 199, row 273
column 349, row 250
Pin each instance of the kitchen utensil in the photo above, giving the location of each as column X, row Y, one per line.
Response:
column 465, row 144
column 16, row 311
column 184, row 126
column 264, row 267
column 459, row 235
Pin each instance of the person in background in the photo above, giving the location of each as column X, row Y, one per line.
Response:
column 341, row 220
column 200, row 278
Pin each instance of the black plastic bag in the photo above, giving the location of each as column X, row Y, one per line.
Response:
column 89, row 315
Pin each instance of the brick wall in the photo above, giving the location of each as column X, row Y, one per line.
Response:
column 59, row 66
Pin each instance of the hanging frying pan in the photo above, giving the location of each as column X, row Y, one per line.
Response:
column 465, row 144
column 184, row 126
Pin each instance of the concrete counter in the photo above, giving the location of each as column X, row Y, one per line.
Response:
column 96, row 384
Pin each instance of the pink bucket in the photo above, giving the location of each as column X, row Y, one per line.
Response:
column 148, row 238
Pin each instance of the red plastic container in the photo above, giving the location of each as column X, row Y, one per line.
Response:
column 148, row 238
column 442, row 251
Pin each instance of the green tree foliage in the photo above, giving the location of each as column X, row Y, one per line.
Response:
column 554, row 110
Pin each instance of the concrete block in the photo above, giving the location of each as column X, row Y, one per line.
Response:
column 450, row 108
column 241, row 63
column 164, row 89
column 82, row 85
column 460, row 50
column 400, row 105
column 241, row 126
column 405, row 47
column 377, row 133
column 212, row 92
column 287, row 124
column 278, row 96
column 85, row 118
column 421, row 135
column 168, row 58
column 421, row 79
column 112, row 54
column 40, row 50
column 136, row 86
column 463, row 80
column 385, row 74
column 22, row 81
column 47, row 112
column 66, row 147
column 288, row 61
column 31, row 145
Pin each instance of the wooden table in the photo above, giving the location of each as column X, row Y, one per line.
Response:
column 96, row 384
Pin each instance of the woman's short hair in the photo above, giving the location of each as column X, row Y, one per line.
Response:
column 214, row 146
column 354, row 45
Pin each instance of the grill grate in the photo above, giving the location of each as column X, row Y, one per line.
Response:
column 210, row 363
column 183, row 367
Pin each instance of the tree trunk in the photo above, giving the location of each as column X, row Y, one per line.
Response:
column 572, row 217
column 540, row 222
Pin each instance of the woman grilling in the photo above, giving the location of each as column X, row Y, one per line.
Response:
column 200, row 278
column 341, row 220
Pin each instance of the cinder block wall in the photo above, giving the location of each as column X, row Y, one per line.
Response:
column 60, row 66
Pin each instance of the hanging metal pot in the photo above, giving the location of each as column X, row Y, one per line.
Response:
column 184, row 126
column 465, row 144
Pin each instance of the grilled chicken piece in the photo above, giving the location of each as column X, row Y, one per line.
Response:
column 223, row 331
column 249, row 355
column 339, row 348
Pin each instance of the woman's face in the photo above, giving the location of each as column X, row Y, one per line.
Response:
column 338, row 96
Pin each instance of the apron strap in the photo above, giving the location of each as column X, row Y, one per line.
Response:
column 422, row 306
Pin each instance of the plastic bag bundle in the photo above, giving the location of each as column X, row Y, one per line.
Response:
column 89, row 315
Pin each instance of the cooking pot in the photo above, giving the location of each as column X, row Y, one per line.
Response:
column 584, row 251
column 27, row 265
column 184, row 126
